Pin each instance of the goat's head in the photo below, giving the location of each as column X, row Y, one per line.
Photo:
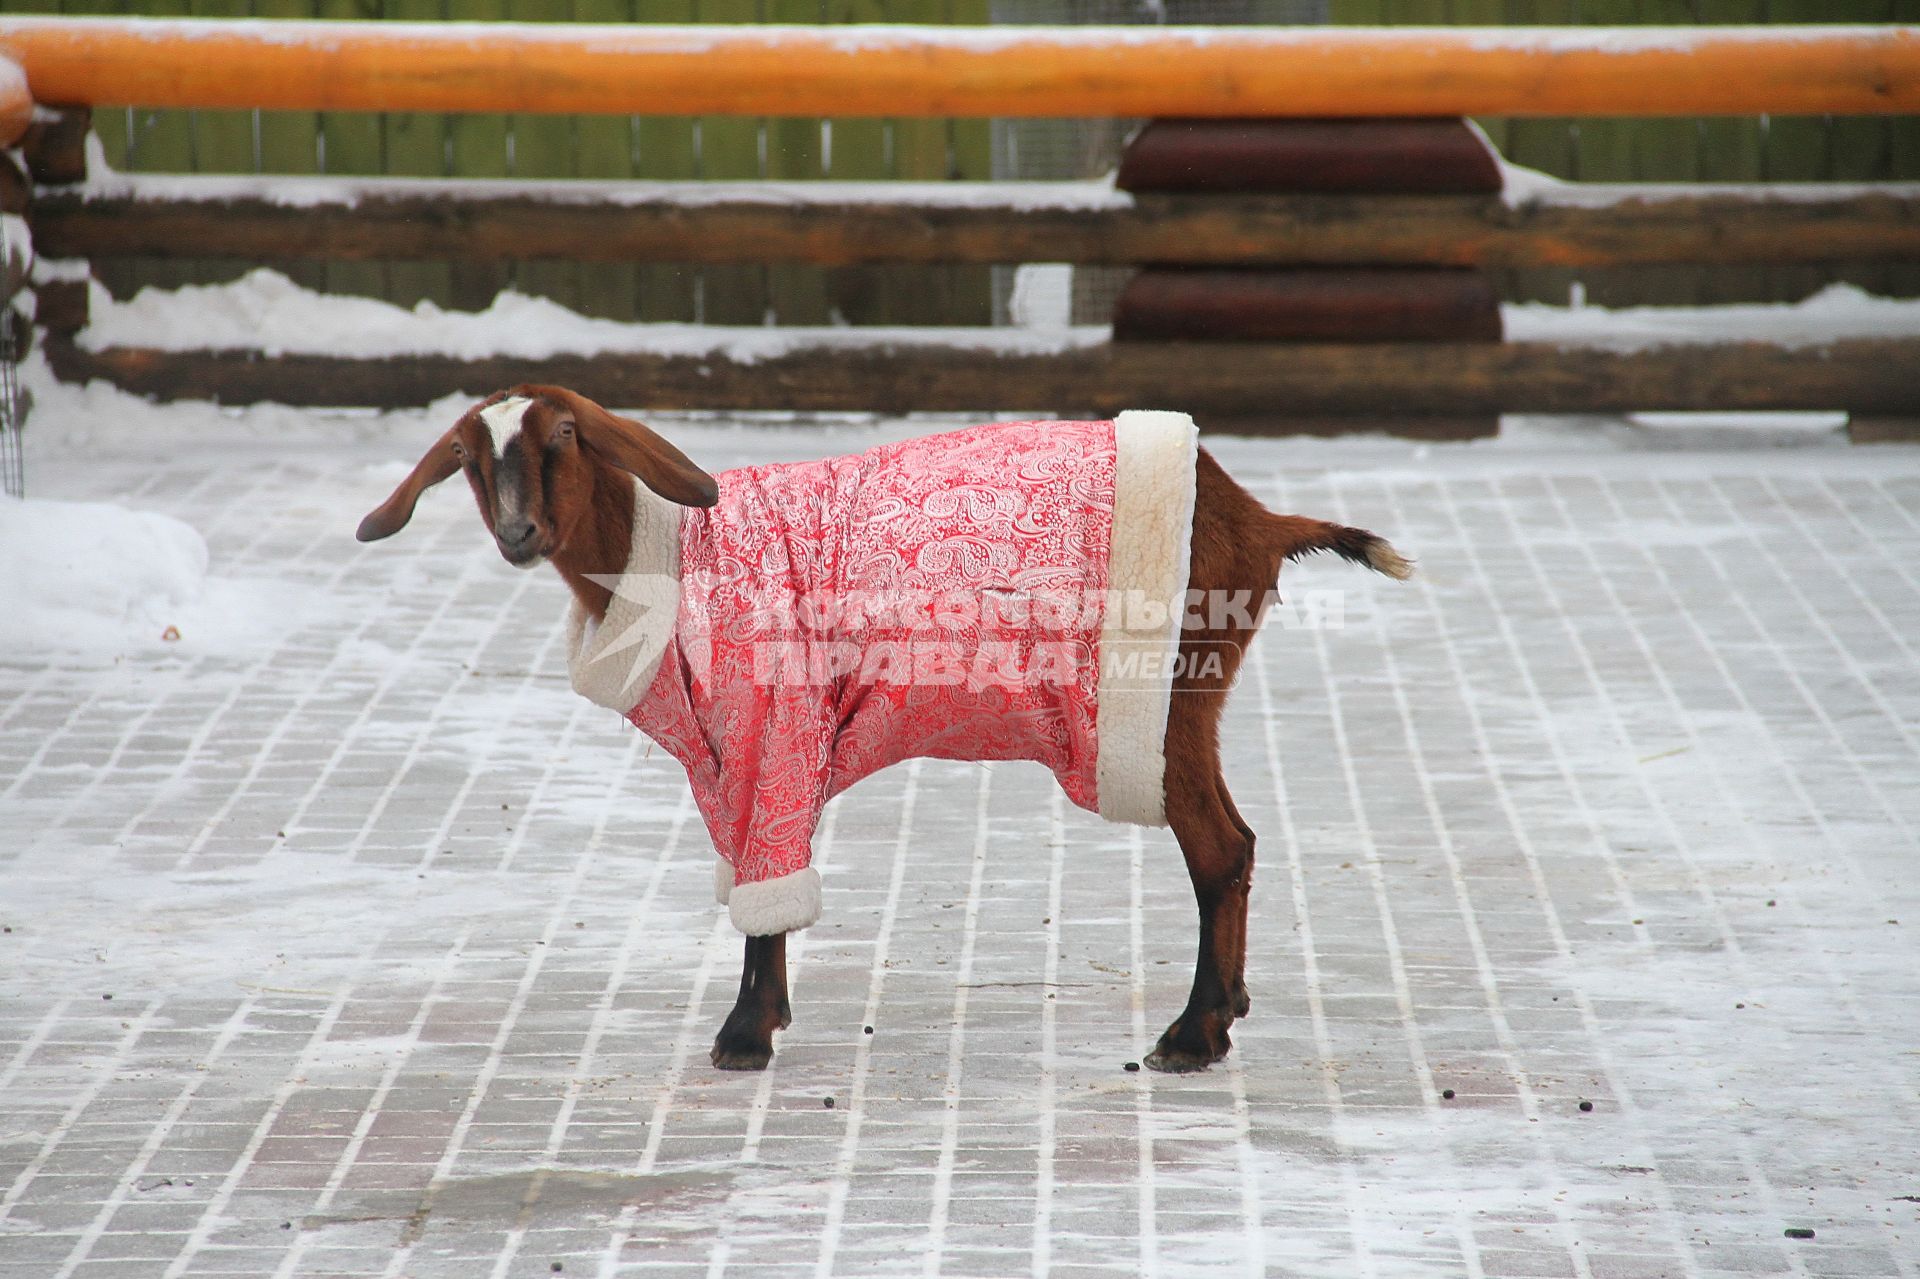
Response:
column 531, row 454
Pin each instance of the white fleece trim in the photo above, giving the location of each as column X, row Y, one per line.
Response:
column 775, row 905
column 722, row 879
column 612, row 662
column 1147, row 564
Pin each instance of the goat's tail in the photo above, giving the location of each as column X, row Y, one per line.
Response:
column 1296, row 535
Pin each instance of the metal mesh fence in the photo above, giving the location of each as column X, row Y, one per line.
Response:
column 1065, row 149
column 14, row 335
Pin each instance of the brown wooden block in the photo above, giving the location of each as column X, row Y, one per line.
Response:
column 1353, row 304
column 60, row 306
column 1442, row 156
column 15, row 190
column 1869, row 429
column 55, row 146
column 19, row 335
column 16, row 266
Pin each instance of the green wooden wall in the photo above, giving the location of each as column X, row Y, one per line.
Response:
column 1776, row 149
column 428, row 145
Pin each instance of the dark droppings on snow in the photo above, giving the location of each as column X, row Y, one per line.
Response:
column 1446, row 1094
column 1586, row 1107
column 1799, row 1232
column 1132, row 1065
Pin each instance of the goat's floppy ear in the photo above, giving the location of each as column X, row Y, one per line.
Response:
column 392, row 515
column 641, row 453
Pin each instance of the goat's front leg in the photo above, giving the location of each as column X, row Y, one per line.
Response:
column 745, row 1041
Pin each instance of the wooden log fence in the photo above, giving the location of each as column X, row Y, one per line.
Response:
column 1297, row 209
column 1431, row 389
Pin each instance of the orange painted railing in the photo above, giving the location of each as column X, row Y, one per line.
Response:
column 16, row 104
column 982, row 71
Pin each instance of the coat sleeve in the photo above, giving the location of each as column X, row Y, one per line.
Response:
column 772, row 784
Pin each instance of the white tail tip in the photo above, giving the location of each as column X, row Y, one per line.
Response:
column 1382, row 558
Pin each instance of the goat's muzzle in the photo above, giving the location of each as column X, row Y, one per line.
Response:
column 522, row 543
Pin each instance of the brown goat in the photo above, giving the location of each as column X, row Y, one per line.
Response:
column 556, row 482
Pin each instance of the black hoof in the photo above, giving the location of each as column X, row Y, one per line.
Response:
column 735, row 1054
column 1189, row 1046
column 1176, row 1063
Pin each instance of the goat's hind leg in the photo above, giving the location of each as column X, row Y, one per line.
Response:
column 745, row 1041
column 1219, row 854
column 1237, row 984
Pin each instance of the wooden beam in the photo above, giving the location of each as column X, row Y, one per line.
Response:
column 834, row 223
column 983, row 71
column 1229, row 380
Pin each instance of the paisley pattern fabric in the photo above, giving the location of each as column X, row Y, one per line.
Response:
column 940, row 597
column 947, row 597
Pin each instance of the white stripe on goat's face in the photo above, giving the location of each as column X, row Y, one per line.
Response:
column 503, row 421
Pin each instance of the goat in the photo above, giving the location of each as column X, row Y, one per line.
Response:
column 683, row 581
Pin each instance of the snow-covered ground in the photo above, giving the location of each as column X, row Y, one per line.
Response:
column 342, row 939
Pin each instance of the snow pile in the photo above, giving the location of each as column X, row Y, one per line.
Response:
column 98, row 418
column 90, row 579
column 88, row 575
column 265, row 311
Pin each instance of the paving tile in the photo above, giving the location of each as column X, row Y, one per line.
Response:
column 1612, row 803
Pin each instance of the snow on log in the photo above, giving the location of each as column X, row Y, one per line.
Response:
column 859, row 70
